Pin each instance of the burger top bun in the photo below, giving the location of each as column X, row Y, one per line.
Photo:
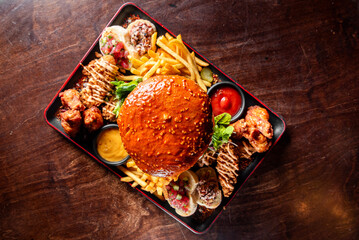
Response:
column 166, row 124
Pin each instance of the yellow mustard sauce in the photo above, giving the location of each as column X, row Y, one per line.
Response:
column 110, row 146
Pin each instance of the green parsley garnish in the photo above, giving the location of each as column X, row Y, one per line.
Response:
column 221, row 132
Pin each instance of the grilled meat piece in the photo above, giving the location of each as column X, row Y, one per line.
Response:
column 227, row 167
column 232, row 158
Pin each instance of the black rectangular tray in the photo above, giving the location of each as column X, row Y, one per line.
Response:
column 194, row 224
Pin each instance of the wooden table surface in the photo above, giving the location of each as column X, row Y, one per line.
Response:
column 301, row 58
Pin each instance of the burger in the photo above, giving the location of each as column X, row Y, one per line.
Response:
column 166, row 124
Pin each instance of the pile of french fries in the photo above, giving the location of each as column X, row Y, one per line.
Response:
column 147, row 182
column 168, row 56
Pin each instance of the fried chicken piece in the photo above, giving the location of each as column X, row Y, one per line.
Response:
column 70, row 98
column 259, row 142
column 93, row 119
column 240, row 129
column 258, row 117
column 71, row 122
column 256, row 128
column 110, row 59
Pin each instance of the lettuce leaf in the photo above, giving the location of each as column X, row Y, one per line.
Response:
column 122, row 90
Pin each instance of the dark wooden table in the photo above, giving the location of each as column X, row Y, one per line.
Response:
column 299, row 57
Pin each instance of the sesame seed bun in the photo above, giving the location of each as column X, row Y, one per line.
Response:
column 166, row 124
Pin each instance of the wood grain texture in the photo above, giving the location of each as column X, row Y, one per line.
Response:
column 300, row 57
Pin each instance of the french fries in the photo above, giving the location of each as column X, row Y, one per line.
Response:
column 147, row 182
column 168, row 56
column 133, row 176
column 127, row 78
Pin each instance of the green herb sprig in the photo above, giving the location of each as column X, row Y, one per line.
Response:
column 221, row 132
